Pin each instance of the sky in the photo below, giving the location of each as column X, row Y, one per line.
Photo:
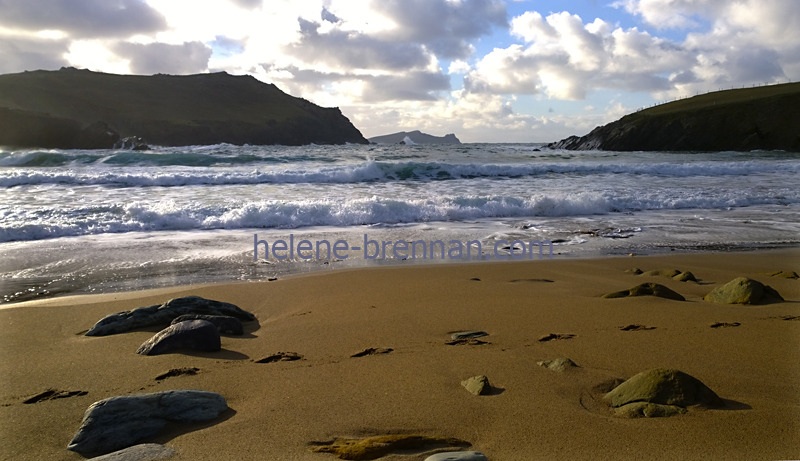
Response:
column 485, row 70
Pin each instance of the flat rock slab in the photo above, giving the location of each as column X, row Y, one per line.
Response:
column 119, row 422
column 225, row 323
column 199, row 335
column 647, row 289
column 661, row 386
column 163, row 314
column 459, row 335
column 381, row 445
column 559, row 364
column 458, row 456
column 785, row 274
column 141, row 452
column 478, row 385
column 743, row 290
column 636, row 327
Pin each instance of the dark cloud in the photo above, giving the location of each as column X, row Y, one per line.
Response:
column 353, row 50
column 328, row 16
column 410, row 86
column 155, row 58
column 443, row 26
column 413, row 86
column 83, row 18
column 21, row 54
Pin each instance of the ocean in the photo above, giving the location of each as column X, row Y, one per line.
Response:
column 75, row 221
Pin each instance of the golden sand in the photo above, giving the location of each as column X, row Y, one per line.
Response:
column 279, row 408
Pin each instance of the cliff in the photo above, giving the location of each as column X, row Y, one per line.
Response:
column 763, row 118
column 74, row 108
column 415, row 137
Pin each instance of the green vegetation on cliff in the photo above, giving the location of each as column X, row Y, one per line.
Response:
column 762, row 118
column 74, row 108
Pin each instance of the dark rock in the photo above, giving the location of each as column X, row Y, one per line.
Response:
column 120, row 422
column 141, row 452
column 660, row 386
column 373, row 351
column 743, row 290
column 199, row 335
column 224, row 323
column 280, row 357
column 163, row 314
column 190, row 371
column 647, row 289
column 725, row 324
column 131, row 143
column 636, row 327
column 556, row 336
column 53, row 394
column 478, row 385
column 468, row 334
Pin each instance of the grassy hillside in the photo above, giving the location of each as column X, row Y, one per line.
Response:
column 746, row 119
column 174, row 110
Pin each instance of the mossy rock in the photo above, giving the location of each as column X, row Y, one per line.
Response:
column 478, row 385
column 743, row 290
column 559, row 364
column 648, row 410
column 381, row 445
column 647, row 289
column 661, row 273
column 785, row 274
column 663, row 386
column 685, row 277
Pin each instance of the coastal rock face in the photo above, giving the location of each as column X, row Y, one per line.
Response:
column 660, row 392
column 119, row 422
column 738, row 120
column 414, row 137
column 200, row 335
column 48, row 109
column 743, row 290
column 224, row 323
column 163, row 314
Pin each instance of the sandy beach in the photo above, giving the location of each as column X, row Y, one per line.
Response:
column 277, row 409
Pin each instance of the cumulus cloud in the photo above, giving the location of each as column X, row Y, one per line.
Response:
column 153, row 58
column 82, row 18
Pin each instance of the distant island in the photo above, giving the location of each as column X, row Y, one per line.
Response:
column 80, row 109
column 414, row 137
column 762, row 118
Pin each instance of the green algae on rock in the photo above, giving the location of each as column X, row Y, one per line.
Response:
column 743, row 290
column 478, row 385
column 559, row 364
column 647, row 289
column 664, row 388
column 382, row 445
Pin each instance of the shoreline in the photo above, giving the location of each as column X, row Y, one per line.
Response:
column 277, row 409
